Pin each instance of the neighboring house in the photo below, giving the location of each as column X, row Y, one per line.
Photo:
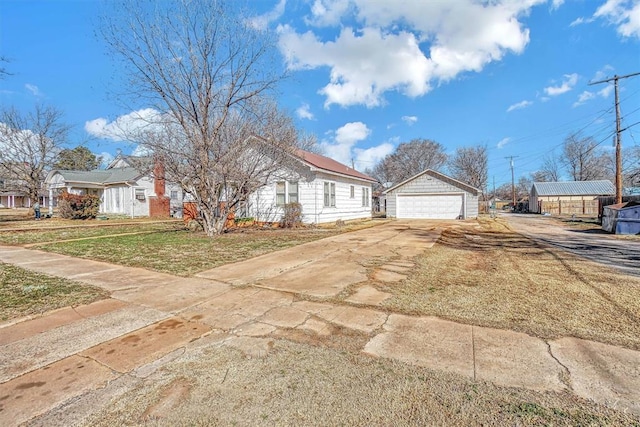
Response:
column 431, row 195
column 571, row 197
column 326, row 189
column 122, row 188
column 13, row 193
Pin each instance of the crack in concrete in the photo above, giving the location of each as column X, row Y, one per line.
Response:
column 566, row 378
column 84, row 356
column 473, row 351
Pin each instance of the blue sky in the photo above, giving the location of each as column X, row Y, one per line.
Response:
column 368, row 75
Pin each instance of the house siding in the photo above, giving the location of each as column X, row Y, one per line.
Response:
column 262, row 204
column 427, row 184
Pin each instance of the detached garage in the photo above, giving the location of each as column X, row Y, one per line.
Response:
column 431, row 195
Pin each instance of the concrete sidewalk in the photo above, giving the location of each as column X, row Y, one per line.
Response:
column 60, row 358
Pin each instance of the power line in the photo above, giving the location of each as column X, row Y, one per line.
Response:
column 618, row 132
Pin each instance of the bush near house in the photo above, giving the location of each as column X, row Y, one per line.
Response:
column 75, row 206
column 292, row 215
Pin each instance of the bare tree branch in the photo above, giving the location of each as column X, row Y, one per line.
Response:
column 582, row 161
column 409, row 159
column 29, row 146
column 209, row 74
column 470, row 165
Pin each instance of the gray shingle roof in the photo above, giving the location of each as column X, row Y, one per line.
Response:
column 575, row 188
column 109, row 176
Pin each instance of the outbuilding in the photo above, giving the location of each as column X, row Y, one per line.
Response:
column 570, row 197
column 431, row 195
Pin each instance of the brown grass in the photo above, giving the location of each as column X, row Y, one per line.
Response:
column 302, row 385
column 491, row 276
column 23, row 292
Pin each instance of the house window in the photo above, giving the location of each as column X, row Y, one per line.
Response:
column 329, row 194
column 365, row 197
column 352, row 194
column 280, row 193
column 140, row 194
column 293, row 192
column 174, row 195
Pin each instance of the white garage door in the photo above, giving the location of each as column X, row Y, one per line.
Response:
column 429, row 206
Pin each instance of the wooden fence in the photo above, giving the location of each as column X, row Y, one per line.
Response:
column 611, row 200
column 570, row 207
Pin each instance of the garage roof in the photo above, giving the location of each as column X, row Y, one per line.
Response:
column 441, row 177
column 575, row 188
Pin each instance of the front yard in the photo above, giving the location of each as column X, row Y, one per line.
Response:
column 477, row 273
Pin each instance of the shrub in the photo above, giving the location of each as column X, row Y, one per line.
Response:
column 292, row 215
column 75, row 206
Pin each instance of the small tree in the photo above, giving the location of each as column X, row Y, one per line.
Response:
column 79, row 158
column 75, row 206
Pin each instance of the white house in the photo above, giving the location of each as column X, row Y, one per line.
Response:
column 123, row 189
column 326, row 189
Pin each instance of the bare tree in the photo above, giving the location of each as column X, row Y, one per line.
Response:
column 409, row 159
column 551, row 170
column 470, row 165
column 209, row 75
column 582, row 161
column 29, row 145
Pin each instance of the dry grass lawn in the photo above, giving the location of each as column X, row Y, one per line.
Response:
column 165, row 246
column 302, row 385
column 23, row 292
column 490, row 276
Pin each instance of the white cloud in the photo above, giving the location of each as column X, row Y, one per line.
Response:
column 141, row 151
column 341, row 142
column 261, row 22
column 304, row 112
column 35, row 91
column 123, row 126
column 327, row 12
column 584, row 97
column 606, row 91
column 106, row 159
column 567, row 84
column 579, row 21
column 556, row 4
column 624, row 14
column 409, row 120
column 503, row 142
column 368, row 157
column 602, row 74
column 406, row 46
column 519, row 105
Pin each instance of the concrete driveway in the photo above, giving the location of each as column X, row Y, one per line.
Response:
column 599, row 246
column 60, row 368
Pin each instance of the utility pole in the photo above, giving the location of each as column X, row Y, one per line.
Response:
column 618, row 133
column 513, row 181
